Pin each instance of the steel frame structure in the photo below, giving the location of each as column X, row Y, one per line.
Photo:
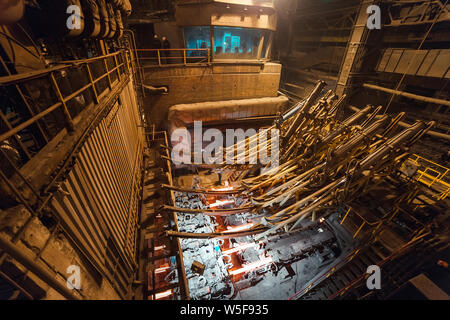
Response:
column 124, row 68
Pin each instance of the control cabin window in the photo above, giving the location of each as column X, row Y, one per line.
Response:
column 236, row 43
column 197, row 38
column 229, row 42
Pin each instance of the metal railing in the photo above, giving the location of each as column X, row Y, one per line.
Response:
column 95, row 79
column 163, row 57
column 364, row 221
column 42, row 123
column 433, row 175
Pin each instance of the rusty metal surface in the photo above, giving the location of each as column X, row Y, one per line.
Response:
column 100, row 199
column 96, row 203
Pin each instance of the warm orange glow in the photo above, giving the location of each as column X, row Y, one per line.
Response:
column 239, row 228
column 163, row 294
column 241, row 247
column 159, row 248
column 251, row 266
column 222, row 189
column 220, row 203
column 162, row 269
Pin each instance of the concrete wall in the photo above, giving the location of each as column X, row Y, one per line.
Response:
column 171, row 31
column 190, row 84
column 97, row 204
column 57, row 256
column 219, row 14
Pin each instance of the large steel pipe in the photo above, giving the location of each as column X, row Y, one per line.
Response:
column 305, row 108
column 407, row 125
column 408, row 95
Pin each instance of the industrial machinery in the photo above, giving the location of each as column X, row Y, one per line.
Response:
column 264, row 219
column 325, row 181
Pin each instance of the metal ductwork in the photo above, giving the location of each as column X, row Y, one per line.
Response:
column 11, row 11
column 104, row 19
column 92, row 18
column 112, row 21
column 98, row 18
column 123, row 5
column 183, row 115
column 49, row 18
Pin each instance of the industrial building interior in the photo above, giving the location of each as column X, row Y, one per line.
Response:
column 343, row 112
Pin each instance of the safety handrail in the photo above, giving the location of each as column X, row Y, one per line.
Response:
column 426, row 166
column 120, row 68
column 165, row 57
column 63, row 65
column 364, row 222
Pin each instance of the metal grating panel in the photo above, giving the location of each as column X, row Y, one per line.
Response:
column 99, row 201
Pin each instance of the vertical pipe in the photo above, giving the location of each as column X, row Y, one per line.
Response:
column 159, row 58
column 92, row 83
column 107, row 72
column 345, row 217
column 69, row 121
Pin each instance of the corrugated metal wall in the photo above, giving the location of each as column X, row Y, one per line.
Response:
column 427, row 63
column 99, row 201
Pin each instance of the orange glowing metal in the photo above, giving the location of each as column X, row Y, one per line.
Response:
column 251, row 266
column 163, row 294
column 222, row 189
column 162, row 269
column 239, row 228
column 220, row 203
column 241, row 247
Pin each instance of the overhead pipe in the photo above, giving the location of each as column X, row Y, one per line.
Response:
column 408, row 95
column 155, row 90
column 112, row 21
column 11, row 11
column 304, row 109
column 92, row 18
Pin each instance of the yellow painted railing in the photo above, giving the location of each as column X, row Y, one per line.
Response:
column 433, row 175
column 364, row 221
column 162, row 57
